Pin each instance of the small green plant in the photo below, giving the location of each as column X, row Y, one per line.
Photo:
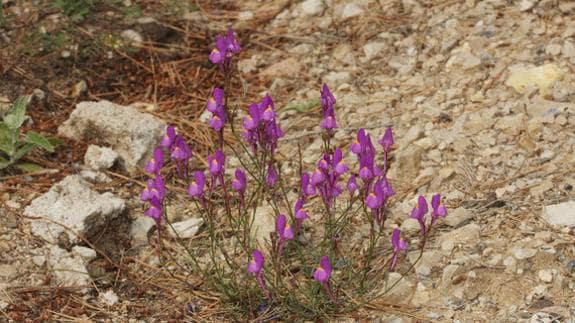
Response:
column 77, row 10
column 13, row 145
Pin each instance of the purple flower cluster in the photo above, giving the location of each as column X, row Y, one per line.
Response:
column 261, row 130
column 226, row 47
column 325, row 177
column 255, row 267
column 216, row 107
column 155, row 191
column 376, row 188
column 327, row 105
column 284, row 232
column 421, row 209
column 180, row 152
column 322, row 274
column 154, row 194
column 398, row 246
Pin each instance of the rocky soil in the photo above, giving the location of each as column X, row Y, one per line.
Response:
column 481, row 97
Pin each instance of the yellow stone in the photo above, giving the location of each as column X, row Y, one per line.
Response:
column 526, row 78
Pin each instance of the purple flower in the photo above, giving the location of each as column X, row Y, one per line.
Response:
column 218, row 120
column 255, row 267
column 216, row 163
column 328, row 123
column 358, row 145
column 261, row 130
column 352, row 185
column 226, row 47
column 300, row 212
column 283, row 229
column 317, row 177
column 169, row 137
column 216, row 101
column 155, row 189
column 327, row 99
column 239, row 182
column 327, row 104
column 180, row 150
column 155, row 211
column 233, row 45
column 439, row 210
column 339, row 165
column 398, row 246
column 269, row 114
column 323, row 272
column 256, row 262
column 374, row 199
column 196, row 187
column 419, row 212
column 306, row 188
column 156, row 163
column 272, row 176
column 252, row 120
column 217, row 54
column 387, row 140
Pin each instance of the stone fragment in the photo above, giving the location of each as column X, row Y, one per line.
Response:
column 72, row 204
column 85, row 253
column 109, row 297
column 562, row 214
column 457, row 217
column 402, row 291
column 263, row 224
column 344, row 53
column 185, row 229
column 351, row 10
column 68, row 270
column 139, row 230
column 526, row 5
column 545, row 275
column 523, row 253
column 334, row 79
column 290, row 67
column 312, row 7
column 408, row 163
column 410, row 226
column 526, row 78
column 133, row 135
column 132, row 37
column 371, row 49
column 536, row 293
column 100, row 158
column 464, row 235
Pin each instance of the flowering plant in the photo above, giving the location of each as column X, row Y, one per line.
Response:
column 311, row 226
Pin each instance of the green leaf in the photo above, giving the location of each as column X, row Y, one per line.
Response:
column 29, row 167
column 55, row 141
column 38, row 140
column 15, row 117
column 23, row 151
column 4, row 163
column 6, row 138
column 304, row 106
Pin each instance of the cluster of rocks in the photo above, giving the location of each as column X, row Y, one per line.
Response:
column 72, row 215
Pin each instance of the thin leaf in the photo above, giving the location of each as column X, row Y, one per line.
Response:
column 15, row 117
column 22, row 151
column 55, row 141
column 38, row 140
column 4, row 163
column 6, row 138
column 29, row 167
